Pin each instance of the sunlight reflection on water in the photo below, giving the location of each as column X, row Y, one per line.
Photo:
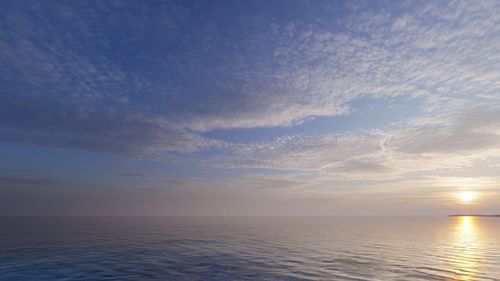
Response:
column 467, row 239
column 278, row 248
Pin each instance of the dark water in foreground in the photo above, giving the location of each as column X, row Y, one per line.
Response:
column 300, row 248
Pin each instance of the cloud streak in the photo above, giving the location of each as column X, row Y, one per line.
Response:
column 7, row 181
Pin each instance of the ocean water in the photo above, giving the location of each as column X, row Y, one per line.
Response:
column 249, row 248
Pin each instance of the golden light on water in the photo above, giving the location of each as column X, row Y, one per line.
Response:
column 466, row 241
column 466, row 197
column 466, row 230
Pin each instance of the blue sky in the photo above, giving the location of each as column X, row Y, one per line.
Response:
column 249, row 107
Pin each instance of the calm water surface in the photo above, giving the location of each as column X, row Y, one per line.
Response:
column 286, row 248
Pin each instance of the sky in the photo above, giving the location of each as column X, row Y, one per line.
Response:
column 249, row 107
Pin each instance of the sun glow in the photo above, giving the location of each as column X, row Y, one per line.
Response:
column 466, row 196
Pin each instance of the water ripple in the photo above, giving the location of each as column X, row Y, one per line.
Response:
column 164, row 248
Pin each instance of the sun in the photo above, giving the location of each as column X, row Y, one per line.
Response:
column 466, row 196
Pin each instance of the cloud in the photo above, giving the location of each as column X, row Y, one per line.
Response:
column 139, row 81
column 472, row 130
column 447, row 142
column 363, row 166
column 11, row 170
column 112, row 130
column 256, row 181
column 7, row 181
column 133, row 174
column 304, row 152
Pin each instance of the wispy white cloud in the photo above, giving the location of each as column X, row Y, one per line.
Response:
column 448, row 142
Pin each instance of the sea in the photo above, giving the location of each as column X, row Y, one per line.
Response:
column 249, row 248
